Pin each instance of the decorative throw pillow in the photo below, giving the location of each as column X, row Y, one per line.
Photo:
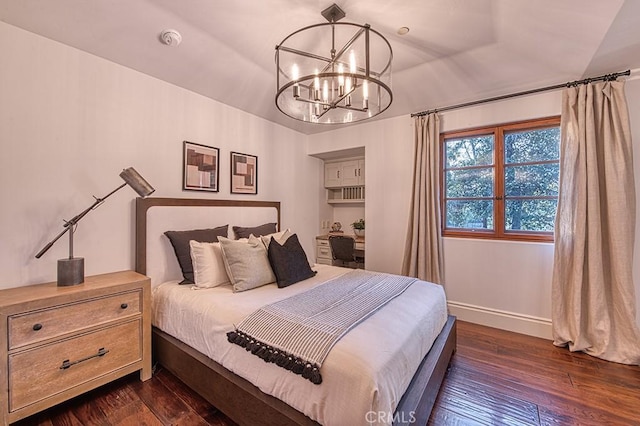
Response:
column 246, row 263
column 208, row 266
column 242, row 232
column 281, row 237
column 180, row 242
column 289, row 261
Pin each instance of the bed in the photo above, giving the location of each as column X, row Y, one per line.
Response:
column 219, row 371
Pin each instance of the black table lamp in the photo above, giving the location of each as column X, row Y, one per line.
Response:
column 71, row 270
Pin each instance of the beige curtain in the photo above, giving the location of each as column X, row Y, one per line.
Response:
column 423, row 255
column 593, row 293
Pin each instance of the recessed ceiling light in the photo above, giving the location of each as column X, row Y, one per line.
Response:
column 403, row 30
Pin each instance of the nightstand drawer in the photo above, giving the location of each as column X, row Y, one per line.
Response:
column 322, row 243
column 37, row 374
column 40, row 325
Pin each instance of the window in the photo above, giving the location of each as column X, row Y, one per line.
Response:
column 501, row 182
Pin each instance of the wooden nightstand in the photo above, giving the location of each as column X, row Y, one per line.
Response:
column 59, row 342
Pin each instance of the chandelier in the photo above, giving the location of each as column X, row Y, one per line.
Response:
column 333, row 73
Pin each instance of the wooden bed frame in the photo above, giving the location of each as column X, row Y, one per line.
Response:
column 240, row 400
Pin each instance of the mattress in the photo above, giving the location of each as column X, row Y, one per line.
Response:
column 365, row 374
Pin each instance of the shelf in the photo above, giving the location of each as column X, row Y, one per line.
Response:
column 355, row 201
column 347, row 194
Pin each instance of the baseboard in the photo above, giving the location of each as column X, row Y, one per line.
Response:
column 504, row 320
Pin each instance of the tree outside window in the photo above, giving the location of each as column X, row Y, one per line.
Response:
column 502, row 182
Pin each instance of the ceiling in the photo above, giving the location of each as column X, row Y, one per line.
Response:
column 455, row 51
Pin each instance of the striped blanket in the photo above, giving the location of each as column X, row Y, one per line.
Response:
column 297, row 333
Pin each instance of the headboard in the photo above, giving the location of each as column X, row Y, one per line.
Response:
column 154, row 254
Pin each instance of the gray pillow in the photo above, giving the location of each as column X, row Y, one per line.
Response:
column 256, row 231
column 180, row 242
column 247, row 263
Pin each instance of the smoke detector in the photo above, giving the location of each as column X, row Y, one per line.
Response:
column 170, row 37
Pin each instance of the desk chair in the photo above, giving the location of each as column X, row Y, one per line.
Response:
column 343, row 249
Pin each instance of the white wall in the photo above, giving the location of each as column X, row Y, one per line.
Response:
column 346, row 215
column 388, row 150
column 70, row 122
column 504, row 284
column 497, row 283
column 633, row 101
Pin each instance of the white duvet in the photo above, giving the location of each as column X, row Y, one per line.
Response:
column 363, row 377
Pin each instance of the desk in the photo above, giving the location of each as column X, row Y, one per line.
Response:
column 323, row 250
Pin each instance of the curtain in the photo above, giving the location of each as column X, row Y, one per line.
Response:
column 423, row 255
column 593, row 306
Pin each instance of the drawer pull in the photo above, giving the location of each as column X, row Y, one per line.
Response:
column 124, row 306
column 66, row 363
column 37, row 327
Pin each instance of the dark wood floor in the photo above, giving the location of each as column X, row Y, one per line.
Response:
column 495, row 378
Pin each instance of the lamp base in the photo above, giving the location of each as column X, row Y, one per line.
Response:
column 70, row 271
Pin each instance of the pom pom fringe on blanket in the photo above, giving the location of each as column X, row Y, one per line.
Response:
column 297, row 333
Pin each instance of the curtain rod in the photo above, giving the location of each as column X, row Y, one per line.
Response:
column 606, row 77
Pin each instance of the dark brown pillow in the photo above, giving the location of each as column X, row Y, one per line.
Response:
column 180, row 242
column 257, row 231
column 289, row 261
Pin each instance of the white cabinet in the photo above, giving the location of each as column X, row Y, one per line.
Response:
column 352, row 173
column 344, row 173
column 332, row 175
column 344, row 181
column 323, row 252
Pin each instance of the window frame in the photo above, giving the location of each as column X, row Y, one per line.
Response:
column 498, row 131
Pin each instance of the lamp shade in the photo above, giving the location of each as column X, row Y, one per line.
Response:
column 137, row 182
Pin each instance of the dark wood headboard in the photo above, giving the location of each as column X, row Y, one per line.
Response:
column 144, row 204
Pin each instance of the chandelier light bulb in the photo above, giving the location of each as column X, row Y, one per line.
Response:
column 316, row 86
column 325, row 91
column 352, row 62
column 295, row 72
column 365, row 95
column 295, row 75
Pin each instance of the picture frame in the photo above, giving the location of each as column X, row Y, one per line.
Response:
column 244, row 173
column 200, row 167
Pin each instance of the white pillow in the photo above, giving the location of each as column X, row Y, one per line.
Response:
column 208, row 265
column 247, row 263
column 280, row 237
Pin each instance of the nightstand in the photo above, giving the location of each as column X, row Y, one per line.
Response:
column 59, row 342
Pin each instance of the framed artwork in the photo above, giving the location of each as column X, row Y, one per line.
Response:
column 201, row 167
column 244, row 173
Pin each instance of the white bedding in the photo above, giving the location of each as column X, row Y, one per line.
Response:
column 365, row 374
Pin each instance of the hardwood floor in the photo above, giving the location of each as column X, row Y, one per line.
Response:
column 495, row 378
column 502, row 378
